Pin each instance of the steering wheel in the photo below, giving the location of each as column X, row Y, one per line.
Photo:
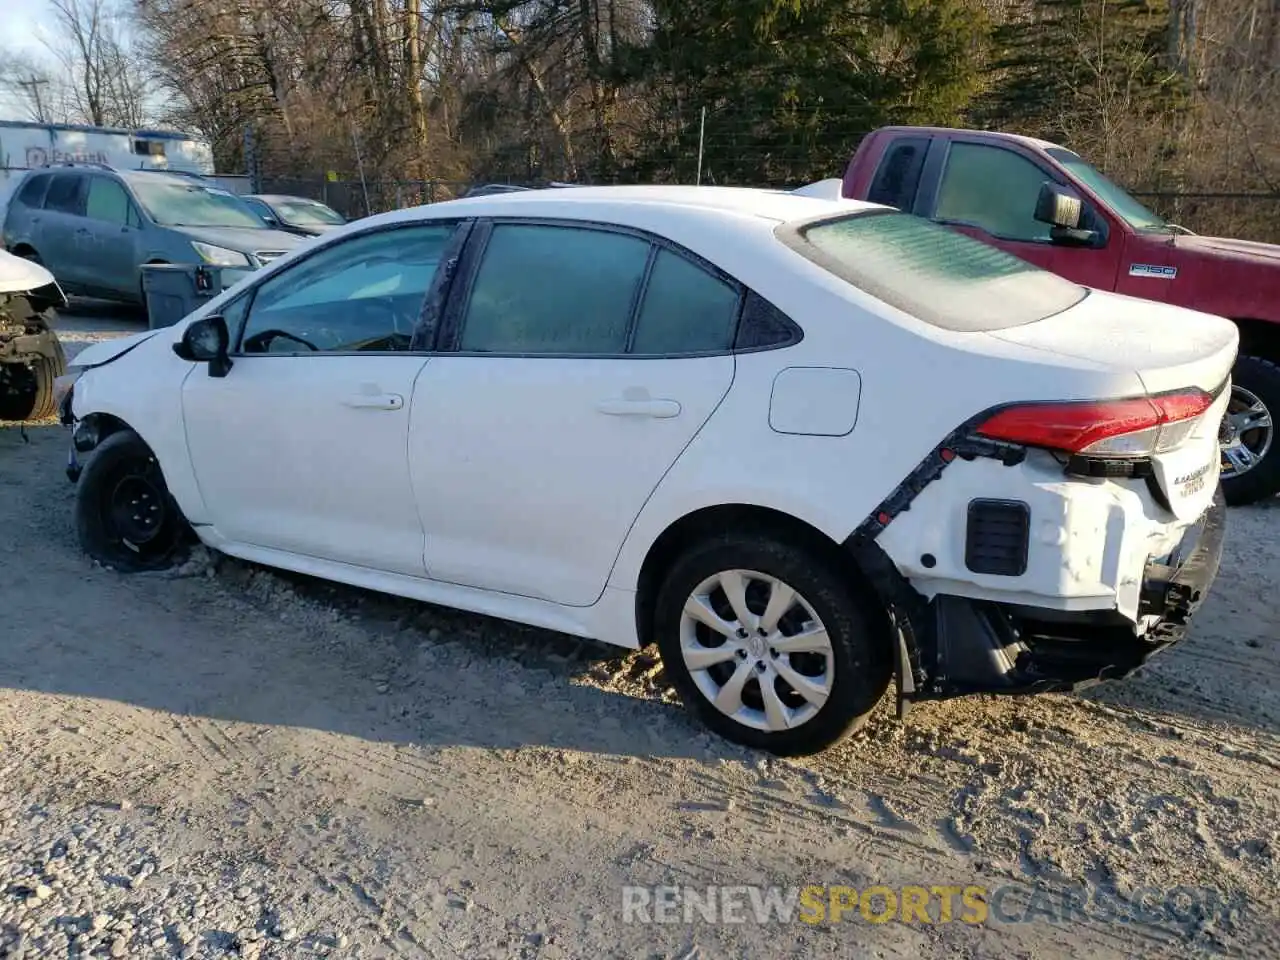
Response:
column 267, row 337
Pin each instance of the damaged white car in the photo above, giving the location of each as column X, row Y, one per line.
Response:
column 804, row 445
column 31, row 358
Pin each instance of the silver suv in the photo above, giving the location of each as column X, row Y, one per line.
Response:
column 95, row 227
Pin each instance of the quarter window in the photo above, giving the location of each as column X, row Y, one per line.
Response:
column 107, row 201
column 685, row 309
column 33, row 191
column 364, row 293
column 992, row 188
column 554, row 290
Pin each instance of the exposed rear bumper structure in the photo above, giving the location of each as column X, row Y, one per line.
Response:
column 954, row 646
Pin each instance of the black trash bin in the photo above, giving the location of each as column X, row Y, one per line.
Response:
column 174, row 290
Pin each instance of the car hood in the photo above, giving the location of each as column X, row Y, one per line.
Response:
column 108, row 350
column 19, row 276
column 1222, row 248
column 315, row 229
column 242, row 239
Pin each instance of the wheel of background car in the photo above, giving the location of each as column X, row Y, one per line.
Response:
column 26, row 389
column 267, row 337
column 770, row 644
column 1250, row 451
column 125, row 517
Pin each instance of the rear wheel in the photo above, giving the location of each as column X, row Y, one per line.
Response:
column 1250, row 451
column 770, row 644
column 125, row 516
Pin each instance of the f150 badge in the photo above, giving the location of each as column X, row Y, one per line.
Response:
column 1153, row 271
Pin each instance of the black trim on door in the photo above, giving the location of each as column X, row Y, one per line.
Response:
column 427, row 330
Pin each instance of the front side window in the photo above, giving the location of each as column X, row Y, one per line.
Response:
column 65, row 194
column 994, row 189
column 554, row 290
column 171, row 202
column 107, row 201
column 363, row 293
column 936, row 274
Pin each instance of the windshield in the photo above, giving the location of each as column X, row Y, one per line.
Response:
column 307, row 211
column 174, row 204
column 1115, row 198
column 936, row 274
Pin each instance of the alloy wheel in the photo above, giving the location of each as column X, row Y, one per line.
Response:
column 1248, row 433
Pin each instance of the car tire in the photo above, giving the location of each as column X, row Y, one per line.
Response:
column 1255, row 386
column 125, row 515
column 26, row 389
column 746, row 668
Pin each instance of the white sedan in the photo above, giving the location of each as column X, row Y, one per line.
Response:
column 803, row 445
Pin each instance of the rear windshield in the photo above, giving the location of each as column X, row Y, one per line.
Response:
column 933, row 273
column 307, row 211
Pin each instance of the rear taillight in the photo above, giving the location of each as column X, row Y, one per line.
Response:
column 1135, row 427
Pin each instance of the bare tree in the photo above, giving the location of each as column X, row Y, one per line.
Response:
column 31, row 84
column 108, row 83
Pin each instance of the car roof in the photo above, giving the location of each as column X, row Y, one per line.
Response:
column 148, row 176
column 621, row 203
column 995, row 136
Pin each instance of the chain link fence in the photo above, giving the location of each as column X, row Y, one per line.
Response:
column 1246, row 216
column 355, row 198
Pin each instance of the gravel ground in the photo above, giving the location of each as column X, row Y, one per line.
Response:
column 225, row 761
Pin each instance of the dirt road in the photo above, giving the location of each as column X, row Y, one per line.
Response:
column 224, row 761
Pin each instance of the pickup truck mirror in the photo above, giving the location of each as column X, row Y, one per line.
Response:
column 1064, row 211
column 1058, row 208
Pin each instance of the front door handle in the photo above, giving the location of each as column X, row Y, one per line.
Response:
column 660, row 409
column 375, row 401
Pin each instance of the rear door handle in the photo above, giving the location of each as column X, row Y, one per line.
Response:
column 661, row 409
column 376, row 401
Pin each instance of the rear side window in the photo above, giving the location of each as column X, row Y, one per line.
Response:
column 32, row 192
column 65, row 194
column 936, row 274
column 898, row 178
column 558, row 290
column 685, row 309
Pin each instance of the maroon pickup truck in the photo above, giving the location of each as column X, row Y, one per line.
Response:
column 1045, row 204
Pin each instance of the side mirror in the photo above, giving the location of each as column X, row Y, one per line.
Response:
column 207, row 340
column 1063, row 211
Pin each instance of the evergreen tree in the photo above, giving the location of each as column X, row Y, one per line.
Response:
column 790, row 86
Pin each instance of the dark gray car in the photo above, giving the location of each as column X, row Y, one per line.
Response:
column 300, row 215
column 95, row 227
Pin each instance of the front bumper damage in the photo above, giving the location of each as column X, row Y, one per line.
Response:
column 952, row 646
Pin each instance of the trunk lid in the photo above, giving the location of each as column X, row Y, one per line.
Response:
column 1169, row 349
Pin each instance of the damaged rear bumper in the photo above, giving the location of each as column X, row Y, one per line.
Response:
column 953, row 646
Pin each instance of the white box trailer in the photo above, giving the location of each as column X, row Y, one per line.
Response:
column 27, row 146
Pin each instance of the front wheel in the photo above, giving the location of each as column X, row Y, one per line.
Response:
column 770, row 644
column 125, row 516
column 1250, row 452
